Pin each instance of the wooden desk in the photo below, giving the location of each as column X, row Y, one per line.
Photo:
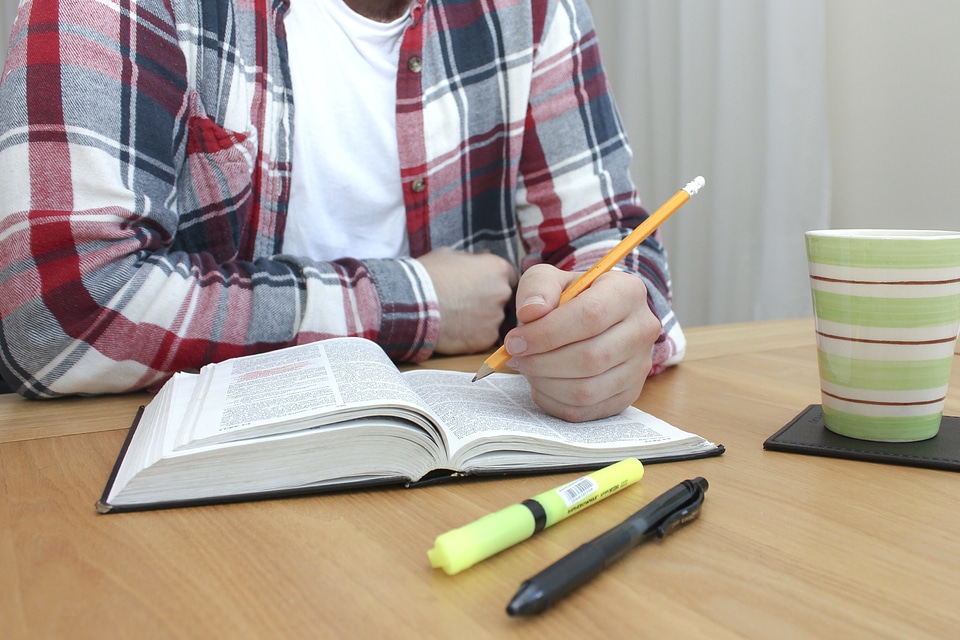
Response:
column 787, row 546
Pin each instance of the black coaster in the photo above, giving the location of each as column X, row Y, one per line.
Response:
column 807, row 434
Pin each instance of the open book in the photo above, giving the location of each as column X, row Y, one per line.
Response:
column 338, row 414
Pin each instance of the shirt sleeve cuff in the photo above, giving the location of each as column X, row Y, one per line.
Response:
column 410, row 312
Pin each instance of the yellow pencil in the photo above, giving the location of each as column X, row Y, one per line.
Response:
column 500, row 357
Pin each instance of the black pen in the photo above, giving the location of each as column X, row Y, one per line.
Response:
column 675, row 507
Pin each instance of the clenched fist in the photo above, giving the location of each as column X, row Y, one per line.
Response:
column 473, row 289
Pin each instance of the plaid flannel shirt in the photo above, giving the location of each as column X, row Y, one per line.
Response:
column 145, row 166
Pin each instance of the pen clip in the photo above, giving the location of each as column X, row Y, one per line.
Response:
column 682, row 515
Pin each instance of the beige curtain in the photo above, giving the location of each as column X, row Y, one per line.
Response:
column 8, row 9
column 733, row 90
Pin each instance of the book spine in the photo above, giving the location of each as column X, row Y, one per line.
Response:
column 103, row 506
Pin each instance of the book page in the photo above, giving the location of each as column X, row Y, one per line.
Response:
column 497, row 414
column 158, row 428
column 365, row 451
column 294, row 388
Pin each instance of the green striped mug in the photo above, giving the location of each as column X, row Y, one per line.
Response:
column 886, row 306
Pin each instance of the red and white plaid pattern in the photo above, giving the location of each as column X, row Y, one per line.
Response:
column 144, row 178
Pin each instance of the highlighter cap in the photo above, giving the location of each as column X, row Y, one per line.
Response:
column 461, row 548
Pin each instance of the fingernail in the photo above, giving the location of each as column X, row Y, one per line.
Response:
column 516, row 345
column 534, row 300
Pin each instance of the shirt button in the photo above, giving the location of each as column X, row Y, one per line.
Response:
column 418, row 185
column 415, row 64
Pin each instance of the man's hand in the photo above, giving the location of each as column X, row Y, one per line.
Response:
column 589, row 358
column 473, row 290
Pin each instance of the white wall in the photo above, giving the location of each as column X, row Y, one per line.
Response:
column 893, row 74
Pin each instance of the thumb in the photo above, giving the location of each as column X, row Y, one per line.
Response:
column 539, row 289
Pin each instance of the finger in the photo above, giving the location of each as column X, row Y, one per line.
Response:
column 582, row 399
column 582, row 318
column 585, row 358
column 538, row 291
column 612, row 298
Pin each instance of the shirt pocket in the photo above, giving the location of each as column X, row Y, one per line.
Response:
column 216, row 188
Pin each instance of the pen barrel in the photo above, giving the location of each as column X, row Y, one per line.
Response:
column 578, row 567
column 565, row 576
column 615, row 543
column 585, row 563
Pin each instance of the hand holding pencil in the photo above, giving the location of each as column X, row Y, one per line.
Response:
column 618, row 253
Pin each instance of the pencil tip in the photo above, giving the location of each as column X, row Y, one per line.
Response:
column 483, row 372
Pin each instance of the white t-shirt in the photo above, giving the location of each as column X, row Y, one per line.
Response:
column 346, row 198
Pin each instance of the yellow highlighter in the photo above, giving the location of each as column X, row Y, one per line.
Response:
column 462, row 548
